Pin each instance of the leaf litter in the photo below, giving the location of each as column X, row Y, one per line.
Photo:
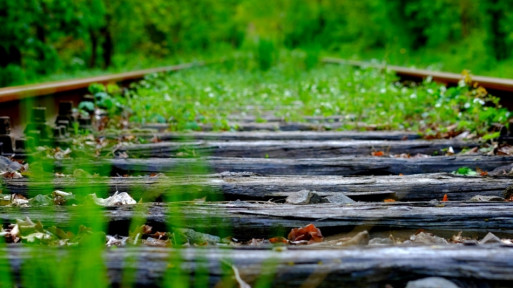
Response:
column 28, row 231
column 59, row 197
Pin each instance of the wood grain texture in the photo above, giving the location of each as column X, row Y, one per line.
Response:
column 468, row 266
column 278, row 135
column 245, row 220
column 294, row 148
column 417, row 187
column 343, row 166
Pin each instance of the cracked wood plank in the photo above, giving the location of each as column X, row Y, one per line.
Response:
column 277, row 135
column 467, row 266
column 423, row 187
column 263, row 219
column 343, row 166
column 293, row 148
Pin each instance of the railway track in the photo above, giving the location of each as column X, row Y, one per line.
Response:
column 220, row 207
column 499, row 87
column 16, row 102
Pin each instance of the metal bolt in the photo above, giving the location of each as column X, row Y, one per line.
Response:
column 64, row 130
column 65, row 108
column 56, row 132
column 20, row 144
column 84, row 121
column 64, row 123
column 5, row 125
column 39, row 114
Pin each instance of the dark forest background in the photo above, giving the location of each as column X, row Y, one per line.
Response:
column 51, row 39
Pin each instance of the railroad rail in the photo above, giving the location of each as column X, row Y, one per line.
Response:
column 16, row 93
column 16, row 101
column 500, row 87
column 25, row 91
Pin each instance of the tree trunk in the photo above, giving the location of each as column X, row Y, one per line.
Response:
column 9, row 54
column 94, row 46
column 497, row 32
column 107, row 46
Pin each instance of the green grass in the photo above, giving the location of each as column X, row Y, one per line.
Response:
column 295, row 88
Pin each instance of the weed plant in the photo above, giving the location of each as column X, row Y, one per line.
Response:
column 295, row 87
column 82, row 263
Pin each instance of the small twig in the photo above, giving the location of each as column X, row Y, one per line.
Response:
column 236, row 274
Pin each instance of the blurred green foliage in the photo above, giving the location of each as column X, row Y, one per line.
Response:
column 42, row 37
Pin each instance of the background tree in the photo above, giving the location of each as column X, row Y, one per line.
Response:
column 41, row 37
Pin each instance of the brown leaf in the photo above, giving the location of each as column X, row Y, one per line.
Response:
column 481, row 172
column 309, row 233
column 160, row 235
column 278, row 239
column 378, row 153
column 505, row 150
column 155, row 139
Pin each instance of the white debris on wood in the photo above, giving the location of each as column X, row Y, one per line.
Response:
column 61, row 193
column 61, row 154
column 426, row 238
column 484, row 198
column 37, row 236
column 15, row 231
column 490, row 238
column 10, row 174
column 431, row 282
column 118, row 199
column 114, row 241
column 20, row 202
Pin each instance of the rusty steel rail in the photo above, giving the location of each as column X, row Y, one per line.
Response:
column 14, row 93
column 489, row 83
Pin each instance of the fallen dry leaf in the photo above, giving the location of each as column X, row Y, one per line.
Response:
column 505, row 150
column 309, row 233
column 481, row 172
column 378, row 153
column 389, row 200
column 155, row 139
column 445, row 199
column 279, row 239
